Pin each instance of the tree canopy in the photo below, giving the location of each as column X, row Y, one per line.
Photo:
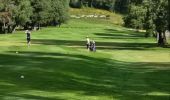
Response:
column 30, row 13
column 151, row 15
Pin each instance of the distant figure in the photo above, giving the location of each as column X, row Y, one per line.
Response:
column 88, row 43
column 92, row 46
column 28, row 33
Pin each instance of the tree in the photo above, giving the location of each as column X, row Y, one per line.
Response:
column 122, row 6
column 21, row 12
column 49, row 12
column 161, row 20
column 76, row 3
column 14, row 13
column 5, row 15
column 155, row 15
column 136, row 17
column 31, row 13
column 63, row 10
column 41, row 12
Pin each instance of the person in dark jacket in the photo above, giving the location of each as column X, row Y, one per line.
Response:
column 28, row 34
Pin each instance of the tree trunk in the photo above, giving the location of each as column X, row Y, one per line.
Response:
column 161, row 38
column 91, row 4
column 4, row 28
column 81, row 3
column 14, row 28
column 1, row 29
column 9, row 29
column 164, row 38
column 39, row 26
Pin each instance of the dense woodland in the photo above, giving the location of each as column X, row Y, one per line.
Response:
column 120, row 6
column 150, row 15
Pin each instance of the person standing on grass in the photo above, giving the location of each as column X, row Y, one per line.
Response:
column 28, row 33
column 94, row 46
column 88, row 43
column 91, row 46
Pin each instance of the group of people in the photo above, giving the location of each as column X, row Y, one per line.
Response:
column 91, row 45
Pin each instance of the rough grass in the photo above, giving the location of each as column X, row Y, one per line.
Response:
column 57, row 66
column 114, row 18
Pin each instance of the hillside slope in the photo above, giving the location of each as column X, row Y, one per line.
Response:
column 93, row 13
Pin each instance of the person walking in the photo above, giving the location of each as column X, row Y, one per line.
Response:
column 88, row 43
column 28, row 34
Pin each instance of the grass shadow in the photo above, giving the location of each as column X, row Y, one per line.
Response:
column 99, row 45
column 117, row 34
column 62, row 73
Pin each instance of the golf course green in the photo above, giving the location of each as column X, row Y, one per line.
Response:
column 57, row 65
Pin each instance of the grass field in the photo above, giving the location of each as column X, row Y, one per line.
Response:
column 57, row 66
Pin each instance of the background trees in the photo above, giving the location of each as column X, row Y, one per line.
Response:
column 31, row 13
column 112, row 5
column 151, row 15
column 14, row 13
column 41, row 12
column 169, row 13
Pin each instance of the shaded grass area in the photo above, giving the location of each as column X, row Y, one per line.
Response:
column 95, row 76
column 100, row 45
column 118, row 34
column 57, row 66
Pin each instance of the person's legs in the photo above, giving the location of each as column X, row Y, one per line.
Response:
column 87, row 45
column 94, row 48
column 28, row 41
column 91, row 48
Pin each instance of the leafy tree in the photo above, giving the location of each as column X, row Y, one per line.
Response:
column 41, row 12
column 63, row 7
column 161, row 20
column 31, row 13
column 151, row 15
column 76, row 3
column 21, row 12
column 49, row 12
column 122, row 6
column 135, row 18
column 14, row 13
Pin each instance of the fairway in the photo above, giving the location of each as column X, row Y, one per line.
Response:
column 57, row 65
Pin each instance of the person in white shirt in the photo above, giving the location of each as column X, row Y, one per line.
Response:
column 88, row 42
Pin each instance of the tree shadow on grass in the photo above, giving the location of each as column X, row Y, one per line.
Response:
column 99, row 45
column 117, row 34
column 27, row 97
column 58, row 73
column 131, row 33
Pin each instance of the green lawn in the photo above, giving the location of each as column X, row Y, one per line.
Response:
column 57, row 66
